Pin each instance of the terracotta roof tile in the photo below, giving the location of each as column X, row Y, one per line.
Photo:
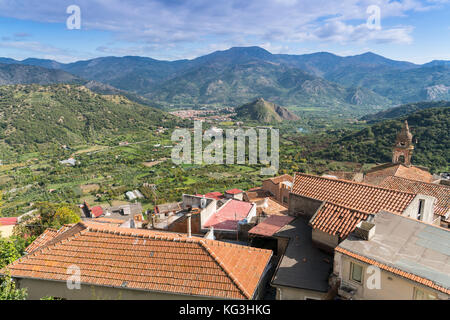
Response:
column 148, row 260
column 399, row 272
column 378, row 173
column 354, row 195
column 113, row 221
column 97, row 211
column 48, row 235
column 234, row 191
column 284, row 177
column 271, row 225
column 8, row 221
column 439, row 191
column 337, row 220
column 274, row 207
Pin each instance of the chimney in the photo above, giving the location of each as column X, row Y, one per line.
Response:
column 188, row 215
column 153, row 220
column 365, row 230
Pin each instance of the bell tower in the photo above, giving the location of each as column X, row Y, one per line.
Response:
column 403, row 147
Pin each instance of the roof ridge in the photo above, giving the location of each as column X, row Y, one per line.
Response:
column 347, row 207
column 228, row 272
column 355, row 183
column 51, row 243
column 417, row 181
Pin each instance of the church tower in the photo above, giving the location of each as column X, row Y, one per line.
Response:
column 403, row 147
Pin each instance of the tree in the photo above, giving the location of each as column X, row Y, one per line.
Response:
column 1, row 203
column 8, row 290
column 8, row 252
column 64, row 215
column 49, row 215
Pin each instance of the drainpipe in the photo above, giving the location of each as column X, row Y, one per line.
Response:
column 188, row 215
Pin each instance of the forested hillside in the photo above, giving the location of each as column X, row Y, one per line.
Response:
column 431, row 136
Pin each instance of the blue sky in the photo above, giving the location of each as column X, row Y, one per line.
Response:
column 412, row 30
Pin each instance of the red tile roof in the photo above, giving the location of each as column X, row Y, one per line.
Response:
column 256, row 194
column 234, row 191
column 421, row 280
column 111, row 221
column 46, row 236
column 228, row 215
column 149, row 261
column 8, row 221
column 439, row 191
column 97, row 211
column 378, row 173
column 337, row 220
column 270, row 225
column 354, row 195
column 284, row 177
column 212, row 195
column 274, row 207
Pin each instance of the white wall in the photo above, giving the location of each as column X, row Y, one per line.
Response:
column 392, row 287
column 428, row 211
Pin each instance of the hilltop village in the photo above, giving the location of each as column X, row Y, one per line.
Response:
column 380, row 234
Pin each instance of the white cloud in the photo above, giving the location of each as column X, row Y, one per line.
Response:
column 147, row 24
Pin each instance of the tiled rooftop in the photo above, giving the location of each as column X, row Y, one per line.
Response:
column 8, row 221
column 212, row 195
column 228, row 215
column 45, row 237
column 439, row 191
column 257, row 194
column 271, row 225
column 112, row 221
column 337, row 220
column 148, row 260
column 234, row 191
column 379, row 173
column 97, row 211
column 284, row 177
column 274, row 208
column 354, row 195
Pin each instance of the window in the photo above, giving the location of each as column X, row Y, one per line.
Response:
column 420, row 294
column 285, row 200
column 356, row 272
column 421, row 205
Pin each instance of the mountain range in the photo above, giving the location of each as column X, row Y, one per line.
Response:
column 404, row 110
column 359, row 84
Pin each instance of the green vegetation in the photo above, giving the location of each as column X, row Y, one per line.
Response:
column 404, row 110
column 48, row 215
column 8, row 290
column 43, row 118
column 431, row 135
